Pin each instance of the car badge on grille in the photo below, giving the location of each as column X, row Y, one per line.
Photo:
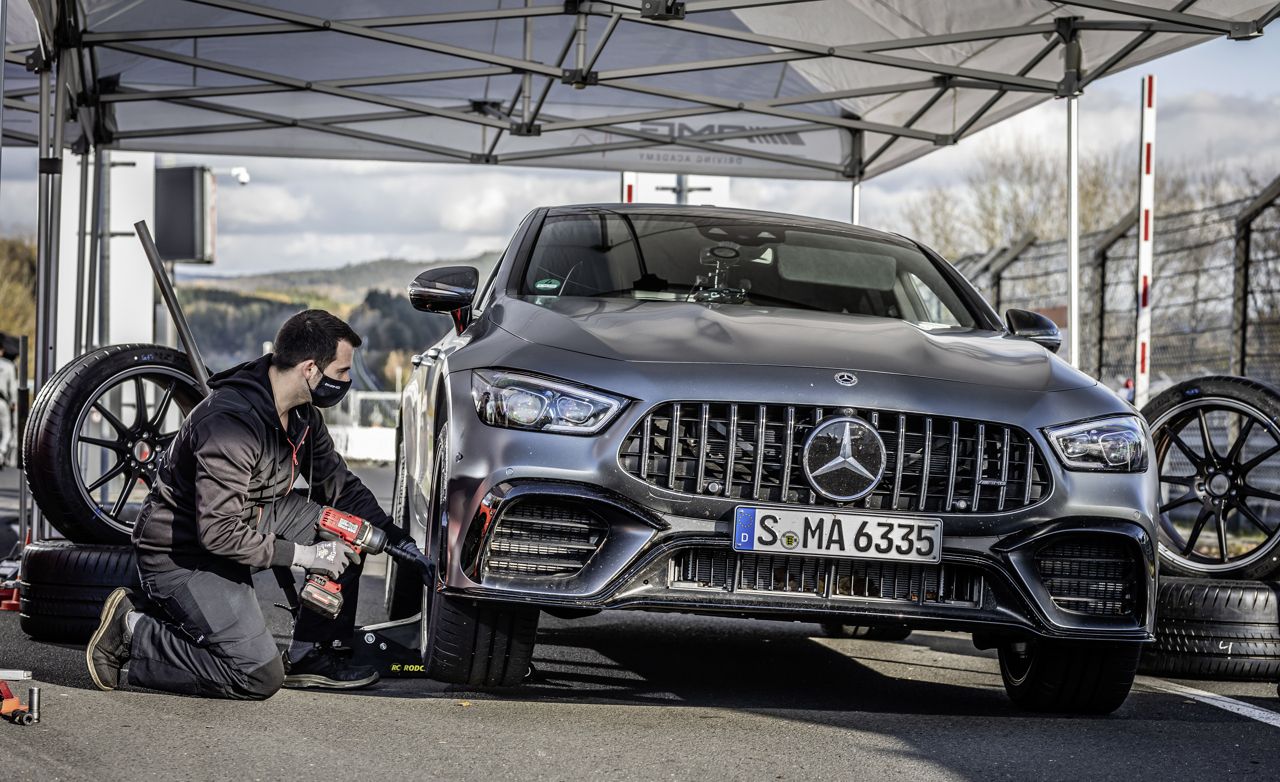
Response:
column 846, row 378
column 843, row 458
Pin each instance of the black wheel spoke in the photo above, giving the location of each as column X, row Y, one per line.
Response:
column 1248, row 466
column 1238, row 445
column 1221, row 521
column 110, row 417
column 1205, row 436
column 162, row 406
column 1191, row 455
column 123, row 499
column 106, row 477
column 1196, row 529
column 1179, row 480
column 1185, row 499
column 1260, row 493
column 139, row 401
column 110, row 445
column 1248, row 513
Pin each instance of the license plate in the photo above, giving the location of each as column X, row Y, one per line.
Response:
column 821, row 532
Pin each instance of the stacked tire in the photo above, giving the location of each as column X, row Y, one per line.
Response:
column 1217, row 444
column 63, row 583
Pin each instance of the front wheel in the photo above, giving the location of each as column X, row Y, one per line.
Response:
column 1079, row 678
column 467, row 641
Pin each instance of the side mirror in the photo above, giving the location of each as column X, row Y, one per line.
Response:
column 448, row 289
column 1033, row 326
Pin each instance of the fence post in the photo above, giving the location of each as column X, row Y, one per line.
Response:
column 1108, row 240
column 1240, row 288
column 1004, row 260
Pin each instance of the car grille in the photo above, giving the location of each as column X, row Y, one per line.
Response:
column 718, row 568
column 753, row 452
column 1090, row 576
column 544, row 537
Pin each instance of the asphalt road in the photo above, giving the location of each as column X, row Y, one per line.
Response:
column 644, row 696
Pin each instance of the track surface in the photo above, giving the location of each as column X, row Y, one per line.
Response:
column 640, row 696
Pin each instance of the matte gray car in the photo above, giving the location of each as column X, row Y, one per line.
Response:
column 752, row 414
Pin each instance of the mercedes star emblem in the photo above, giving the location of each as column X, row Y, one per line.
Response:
column 846, row 378
column 844, row 458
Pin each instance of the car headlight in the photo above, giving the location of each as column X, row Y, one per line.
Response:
column 1112, row 444
column 519, row 401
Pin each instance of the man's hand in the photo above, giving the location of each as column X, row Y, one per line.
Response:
column 407, row 551
column 329, row 557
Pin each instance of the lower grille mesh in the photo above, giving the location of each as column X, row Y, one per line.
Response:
column 1092, row 576
column 717, row 568
column 544, row 537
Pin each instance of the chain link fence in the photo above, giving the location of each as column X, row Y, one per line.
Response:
column 1215, row 296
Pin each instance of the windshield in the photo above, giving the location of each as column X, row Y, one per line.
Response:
column 658, row 257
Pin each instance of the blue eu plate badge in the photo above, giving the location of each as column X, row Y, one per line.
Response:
column 744, row 529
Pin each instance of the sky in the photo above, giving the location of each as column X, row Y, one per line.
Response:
column 1218, row 102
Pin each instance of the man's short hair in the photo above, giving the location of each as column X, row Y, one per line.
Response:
column 311, row 334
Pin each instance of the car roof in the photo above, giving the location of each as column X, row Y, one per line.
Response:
column 731, row 213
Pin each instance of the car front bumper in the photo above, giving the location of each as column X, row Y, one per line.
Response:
column 654, row 534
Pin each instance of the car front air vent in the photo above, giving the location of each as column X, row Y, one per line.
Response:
column 1094, row 575
column 541, row 536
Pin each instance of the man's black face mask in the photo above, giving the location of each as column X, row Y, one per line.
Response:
column 329, row 392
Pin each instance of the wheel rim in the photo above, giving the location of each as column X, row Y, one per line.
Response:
column 1017, row 659
column 1219, row 484
column 116, row 450
column 398, row 505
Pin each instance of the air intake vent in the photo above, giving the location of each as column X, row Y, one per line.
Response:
column 1093, row 575
column 743, row 451
column 714, row 568
column 544, row 537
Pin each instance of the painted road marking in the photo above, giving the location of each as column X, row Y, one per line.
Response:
column 1220, row 701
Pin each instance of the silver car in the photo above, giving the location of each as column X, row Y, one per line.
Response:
column 751, row 414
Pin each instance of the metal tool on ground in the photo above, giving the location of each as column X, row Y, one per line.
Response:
column 13, row 709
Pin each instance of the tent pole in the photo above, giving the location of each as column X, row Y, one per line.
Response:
column 4, row 14
column 42, row 228
column 1073, row 228
column 855, row 211
column 77, row 342
column 55, row 214
column 95, row 247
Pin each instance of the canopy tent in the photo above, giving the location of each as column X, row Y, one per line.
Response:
column 814, row 89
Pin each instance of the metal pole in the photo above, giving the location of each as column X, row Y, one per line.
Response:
column 55, row 213
column 855, row 211
column 24, row 405
column 104, row 254
column 171, row 301
column 1073, row 228
column 4, row 15
column 95, row 247
column 682, row 189
column 1146, row 230
column 77, row 337
column 42, row 225
column 526, row 97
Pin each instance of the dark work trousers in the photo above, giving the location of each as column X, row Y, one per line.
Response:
column 204, row 633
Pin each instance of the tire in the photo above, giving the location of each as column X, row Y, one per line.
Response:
column 880, row 633
column 1074, row 678
column 480, row 644
column 62, row 587
column 1230, row 501
column 1216, row 630
column 402, row 596
column 57, row 448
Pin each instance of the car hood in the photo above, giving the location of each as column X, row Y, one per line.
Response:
column 699, row 333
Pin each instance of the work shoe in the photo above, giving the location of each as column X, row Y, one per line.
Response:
column 327, row 670
column 108, row 649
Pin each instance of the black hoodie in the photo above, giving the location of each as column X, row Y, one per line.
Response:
column 232, row 468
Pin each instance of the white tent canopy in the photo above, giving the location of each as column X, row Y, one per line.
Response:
column 813, row 89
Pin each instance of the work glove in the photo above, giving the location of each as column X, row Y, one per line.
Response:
column 406, row 551
column 329, row 557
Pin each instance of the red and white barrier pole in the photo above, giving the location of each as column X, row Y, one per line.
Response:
column 1146, row 236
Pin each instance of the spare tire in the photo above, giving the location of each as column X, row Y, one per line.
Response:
column 96, row 431
column 62, row 586
column 1217, row 446
column 1209, row 629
